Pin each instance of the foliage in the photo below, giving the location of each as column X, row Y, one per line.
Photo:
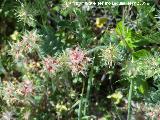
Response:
column 66, row 62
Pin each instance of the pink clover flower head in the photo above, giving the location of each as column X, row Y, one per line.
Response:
column 9, row 89
column 76, row 55
column 51, row 64
column 27, row 87
column 78, row 61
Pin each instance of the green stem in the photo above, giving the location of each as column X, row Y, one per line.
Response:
column 80, row 109
column 88, row 91
column 129, row 100
column 80, row 104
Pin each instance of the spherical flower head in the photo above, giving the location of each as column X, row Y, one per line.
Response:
column 27, row 87
column 31, row 37
column 9, row 89
column 26, row 14
column 110, row 55
column 28, row 44
column 76, row 55
column 51, row 64
column 30, row 40
column 8, row 92
column 78, row 61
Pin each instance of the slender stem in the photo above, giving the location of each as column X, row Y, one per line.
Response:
column 80, row 108
column 129, row 100
column 80, row 104
column 88, row 91
column 131, row 80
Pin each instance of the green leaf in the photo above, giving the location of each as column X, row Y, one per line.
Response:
column 141, row 84
column 143, row 87
column 141, row 54
column 153, row 38
column 125, row 35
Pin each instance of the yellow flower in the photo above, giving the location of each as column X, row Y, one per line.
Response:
column 14, row 36
column 60, row 108
column 116, row 97
column 100, row 22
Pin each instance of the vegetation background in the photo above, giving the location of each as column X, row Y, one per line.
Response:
column 62, row 61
